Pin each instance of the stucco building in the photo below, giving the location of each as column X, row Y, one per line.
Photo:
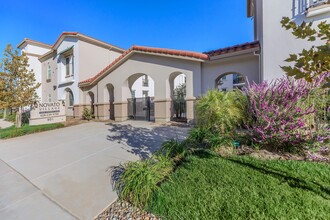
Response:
column 86, row 72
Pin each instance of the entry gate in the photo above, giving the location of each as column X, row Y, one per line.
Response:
column 141, row 109
column 180, row 109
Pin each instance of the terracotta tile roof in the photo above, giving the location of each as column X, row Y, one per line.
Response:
column 232, row 49
column 187, row 54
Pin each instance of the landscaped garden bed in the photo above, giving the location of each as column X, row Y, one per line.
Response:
column 27, row 129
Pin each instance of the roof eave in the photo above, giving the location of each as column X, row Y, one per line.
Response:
column 129, row 54
column 236, row 53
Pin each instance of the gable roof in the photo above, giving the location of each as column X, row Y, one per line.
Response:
column 33, row 42
column 71, row 34
column 181, row 54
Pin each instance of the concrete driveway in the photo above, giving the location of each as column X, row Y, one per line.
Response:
column 63, row 174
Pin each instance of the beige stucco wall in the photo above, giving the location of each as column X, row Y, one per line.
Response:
column 200, row 76
column 93, row 59
column 247, row 65
column 50, row 86
column 159, row 68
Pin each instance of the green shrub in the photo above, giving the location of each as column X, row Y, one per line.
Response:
column 11, row 117
column 175, row 149
column 222, row 111
column 135, row 182
column 87, row 114
column 27, row 129
column 205, row 138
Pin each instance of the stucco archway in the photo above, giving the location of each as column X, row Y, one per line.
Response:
column 108, row 102
column 90, row 101
column 230, row 80
column 178, row 87
column 139, row 91
column 69, row 102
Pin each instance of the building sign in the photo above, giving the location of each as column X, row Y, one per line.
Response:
column 47, row 112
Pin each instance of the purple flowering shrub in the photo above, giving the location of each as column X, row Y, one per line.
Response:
column 278, row 114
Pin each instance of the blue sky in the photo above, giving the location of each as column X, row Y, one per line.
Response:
column 179, row 24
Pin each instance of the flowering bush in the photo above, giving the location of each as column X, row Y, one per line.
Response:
column 279, row 111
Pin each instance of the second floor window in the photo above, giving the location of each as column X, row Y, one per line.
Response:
column 67, row 66
column 49, row 72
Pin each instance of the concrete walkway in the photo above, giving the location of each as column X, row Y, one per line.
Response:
column 5, row 124
column 63, row 174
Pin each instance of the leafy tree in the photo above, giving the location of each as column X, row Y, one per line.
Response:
column 180, row 90
column 18, row 84
column 315, row 61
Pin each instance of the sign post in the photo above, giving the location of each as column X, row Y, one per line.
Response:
column 47, row 113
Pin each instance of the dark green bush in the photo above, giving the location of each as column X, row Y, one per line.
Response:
column 87, row 114
column 175, row 149
column 135, row 182
column 206, row 138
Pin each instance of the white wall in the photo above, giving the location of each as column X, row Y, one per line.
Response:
column 33, row 52
column 276, row 42
column 70, row 82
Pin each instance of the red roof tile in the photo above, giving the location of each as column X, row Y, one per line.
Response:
column 232, row 49
column 181, row 53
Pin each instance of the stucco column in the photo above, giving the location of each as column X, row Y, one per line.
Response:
column 78, row 110
column 191, row 109
column 102, row 110
column 121, row 111
column 162, row 110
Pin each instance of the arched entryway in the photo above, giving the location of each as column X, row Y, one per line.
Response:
column 178, row 88
column 141, row 95
column 90, row 101
column 109, row 102
column 69, row 102
column 230, row 80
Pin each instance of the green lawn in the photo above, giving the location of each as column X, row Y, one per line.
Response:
column 211, row 187
column 26, row 129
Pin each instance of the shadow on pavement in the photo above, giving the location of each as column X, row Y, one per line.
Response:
column 144, row 141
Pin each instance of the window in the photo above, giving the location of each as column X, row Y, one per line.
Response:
column 224, row 90
column 224, row 77
column 49, row 98
column 67, row 66
column 133, row 93
column 49, row 73
column 145, row 81
column 145, row 93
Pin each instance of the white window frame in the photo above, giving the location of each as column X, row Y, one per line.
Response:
column 49, row 72
column 67, row 66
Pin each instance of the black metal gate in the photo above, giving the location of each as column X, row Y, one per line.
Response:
column 180, row 109
column 141, row 109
